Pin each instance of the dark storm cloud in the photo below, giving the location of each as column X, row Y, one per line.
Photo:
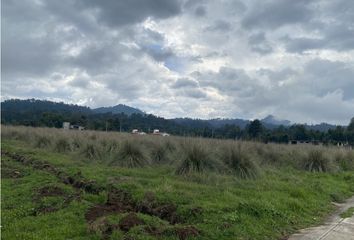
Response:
column 219, row 25
column 196, row 57
column 200, row 11
column 259, row 43
column 336, row 37
column 273, row 14
column 116, row 13
column 185, row 82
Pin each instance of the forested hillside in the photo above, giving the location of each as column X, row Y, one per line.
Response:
column 41, row 113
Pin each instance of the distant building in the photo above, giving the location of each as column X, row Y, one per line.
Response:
column 305, row 142
column 77, row 127
column 158, row 133
column 137, row 132
column 66, row 125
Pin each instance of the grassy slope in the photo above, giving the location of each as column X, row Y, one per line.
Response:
column 269, row 207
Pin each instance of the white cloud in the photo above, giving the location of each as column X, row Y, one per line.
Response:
column 229, row 58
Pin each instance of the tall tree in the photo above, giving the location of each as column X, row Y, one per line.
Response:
column 255, row 129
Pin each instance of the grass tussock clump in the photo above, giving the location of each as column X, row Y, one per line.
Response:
column 240, row 162
column 91, row 151
column 159, row 153
column 316, row 161
column 345, row 160
column 62, row 145
column 109, row 146
column 42, row 142
column 194, row 158
column 130, row 155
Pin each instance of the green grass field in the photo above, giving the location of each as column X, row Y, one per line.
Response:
column 96, row 185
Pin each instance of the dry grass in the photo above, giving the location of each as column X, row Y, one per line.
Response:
column 185, row 155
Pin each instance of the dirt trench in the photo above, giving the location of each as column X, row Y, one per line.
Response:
column 77, row 181
column 118, row 201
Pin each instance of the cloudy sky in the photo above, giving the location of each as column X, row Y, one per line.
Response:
column 185, row 58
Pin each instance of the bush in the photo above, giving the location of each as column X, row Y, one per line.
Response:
column 130, row 155
column 316, row 161
column 240, row 162
column 194, row 158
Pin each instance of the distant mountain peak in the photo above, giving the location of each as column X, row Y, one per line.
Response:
column 120, row 108
column 271, row 119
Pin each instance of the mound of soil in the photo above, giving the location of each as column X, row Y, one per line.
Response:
column 118, row 201
column 129, row 221
column 150, row 206
column 52, row 191
column 48, row 191
column 101, row 225
column 76, row 181
column 184, row 233
column 10, row 173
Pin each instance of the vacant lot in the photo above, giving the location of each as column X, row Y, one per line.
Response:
column 60, row 184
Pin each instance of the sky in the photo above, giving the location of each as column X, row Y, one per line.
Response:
column 185, row 58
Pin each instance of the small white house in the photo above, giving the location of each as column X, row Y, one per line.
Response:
column 156, row 131
column 66, row 125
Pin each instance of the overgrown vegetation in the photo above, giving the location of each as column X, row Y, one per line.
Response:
column 149, row 187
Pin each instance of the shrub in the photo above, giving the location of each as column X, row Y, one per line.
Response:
column 194, row 158
column 240, row 162
column 130, row 155
column 316, row 161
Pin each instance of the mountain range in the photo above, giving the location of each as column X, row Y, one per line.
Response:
column 13, row 106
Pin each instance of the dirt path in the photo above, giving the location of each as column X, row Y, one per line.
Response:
column 335, row 228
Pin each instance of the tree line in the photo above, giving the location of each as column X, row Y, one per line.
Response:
column 38, row 113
